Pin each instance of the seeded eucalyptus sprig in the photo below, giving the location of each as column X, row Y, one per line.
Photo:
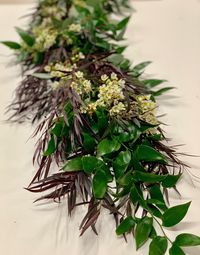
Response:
column 97, row 122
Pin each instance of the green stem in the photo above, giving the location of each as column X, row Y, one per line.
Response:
column 161, row 228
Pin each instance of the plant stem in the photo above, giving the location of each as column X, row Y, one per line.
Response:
column 161, row 228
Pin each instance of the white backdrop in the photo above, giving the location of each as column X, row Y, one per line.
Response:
column 166, row 32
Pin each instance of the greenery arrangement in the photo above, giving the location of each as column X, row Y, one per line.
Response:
column 97, row 121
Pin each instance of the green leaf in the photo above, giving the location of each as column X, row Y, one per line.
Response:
column 142, row 66
column 23, row 55
column 102, row 122
column 131, row 133
column 89, row 142
column 161, row 91
column 187, row 240
column 175, row 250
column 12, row 45
column 51, row 147
column 125, row 226
column 158, row 246
column 156, row 193
column 174, row 215
column 89, row 164
column 153, row 233
column 74, row 164
column 121, row 49
column 170, row 181
column 57, row 130
column 107, row 146
column 154, row 201
column 121, row 163
column 99, row 184
column 136, row 195
column 148, row 154
column 123, row 158
column 44, row 76
column 125, row 179
column 153, row 82
column 116, row 59
column 154, row 210
column 143, row 231
column 38, row 58
column 148, row 177
column 123, row 23
column 26, row 37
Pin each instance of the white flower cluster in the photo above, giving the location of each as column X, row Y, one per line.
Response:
column 146, row 109
column 80, row 84
column 77, row 56
column 110, row 95
column 45, row 39
column 75, row 28
column 59, row 69
column 52, row 11
column 117, row 109
column 66, row 74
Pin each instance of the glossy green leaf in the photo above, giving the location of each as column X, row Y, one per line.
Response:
column 74, row 164
column 148, row 154
column 121, row 163
column 154, row 201
column 153, row 82
column 136, row 195
column 125, row 179
column 12, row 45
column 187, row 240
column 123, row 158
column 43, row 76
column 57, row 130
column 107, row 146
column 153, row 233
column 51, row 147
column 89, row 164
column 175, row 250
column 116, row 59
column 89, row 142
column 141, row 66
column 170, row 181
column 125, row 226
column 38, row 57
column 105, row 169
column 148, row 177
column 99, row 184
column 156, row 193
column 123, row 23
column 162, row 91
column 26, row 37
column 121, row 49
column 174, row 215
column 143, row 231
column 158, row 246
column 154, row 210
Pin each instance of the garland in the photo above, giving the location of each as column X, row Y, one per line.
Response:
column 97, row 121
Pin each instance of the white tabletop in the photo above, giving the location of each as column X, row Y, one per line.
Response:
column 166, row 32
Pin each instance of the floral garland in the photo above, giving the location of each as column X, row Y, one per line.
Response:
column 98, row 122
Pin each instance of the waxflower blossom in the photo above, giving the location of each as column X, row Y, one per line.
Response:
column 45, row 39
column 53, row 11
column 111, row 92
column 110, row 95
column 104, row 77
column 146, row 109
column 117, row 109
column 75, row 28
